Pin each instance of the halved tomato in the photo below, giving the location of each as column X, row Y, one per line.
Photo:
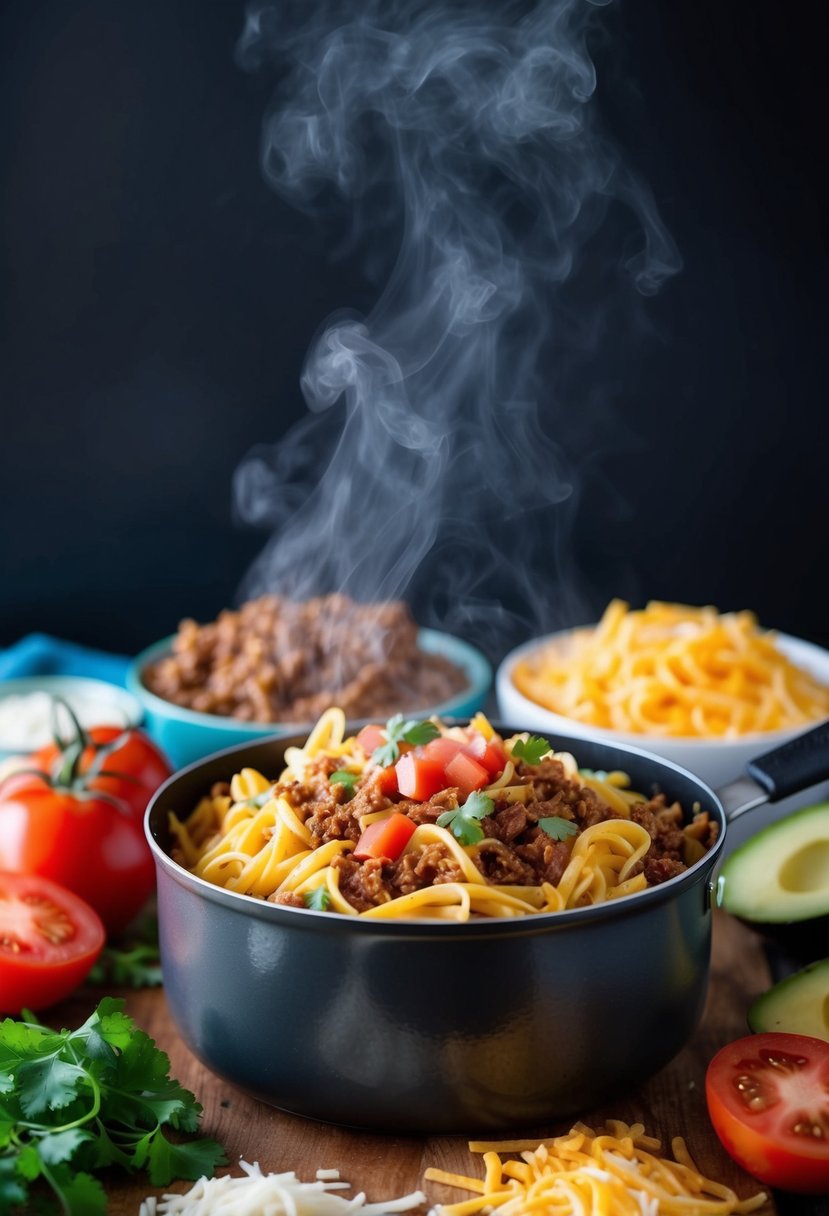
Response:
column 768, row 1098
column 49, row 939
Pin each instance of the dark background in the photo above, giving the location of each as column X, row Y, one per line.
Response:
column 157, row 301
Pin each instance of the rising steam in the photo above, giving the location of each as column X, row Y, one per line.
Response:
column 468, row 145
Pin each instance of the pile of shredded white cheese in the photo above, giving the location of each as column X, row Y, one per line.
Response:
column 258, row 1194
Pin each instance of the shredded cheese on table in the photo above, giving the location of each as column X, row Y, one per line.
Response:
column 672, row 670
column 258, row 1194
column 616, row 1172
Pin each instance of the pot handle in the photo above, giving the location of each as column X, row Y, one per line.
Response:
column 794, row 766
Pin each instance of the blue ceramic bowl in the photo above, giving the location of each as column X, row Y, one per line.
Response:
column 185, row 735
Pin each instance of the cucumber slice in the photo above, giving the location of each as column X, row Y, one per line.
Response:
column 797, row 1005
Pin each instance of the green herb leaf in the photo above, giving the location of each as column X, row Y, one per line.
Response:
column 399, row 730
column 558, row 828
column 345, row 778
column 318, row 899
column 136, row 963
column 531, row 750
column 464, row 823
column 84, row 1100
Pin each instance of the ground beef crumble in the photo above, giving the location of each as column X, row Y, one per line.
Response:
column 515, row 851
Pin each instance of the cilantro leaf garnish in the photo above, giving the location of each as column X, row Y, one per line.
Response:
column 464, row 823
column 558, row 828
column 531, row 750
column 79, row 1101
column 318, row 899
column 346, row 779
column 136, row 963
column 402, row 730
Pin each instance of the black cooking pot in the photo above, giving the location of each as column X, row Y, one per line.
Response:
column 438, row 1026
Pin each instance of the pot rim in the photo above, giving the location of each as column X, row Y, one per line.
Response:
column 327, row 922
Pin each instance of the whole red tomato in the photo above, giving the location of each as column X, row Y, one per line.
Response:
column 768, row 1098
column 76, row 817
column 125, row 764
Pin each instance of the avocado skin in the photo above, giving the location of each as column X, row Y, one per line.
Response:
column 802, row 941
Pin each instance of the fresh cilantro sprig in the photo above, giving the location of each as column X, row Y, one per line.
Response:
column 402, row 730
column 531, row 750
column 345, row 778
column 138, row 966
column 558, row 828
column 79, row 1101
column 318, row 899
column 464, row 823
column 133, row 963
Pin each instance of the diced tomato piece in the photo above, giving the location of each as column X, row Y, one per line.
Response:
column 385, row 838
column 494, row 759
column 371, row 737
column 466, row 773
column 387, row 780
column 442, row 749
column 419, row 777
column 475, row 745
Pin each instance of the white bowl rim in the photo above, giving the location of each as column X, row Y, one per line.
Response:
column 797, row 649
column 475, row 666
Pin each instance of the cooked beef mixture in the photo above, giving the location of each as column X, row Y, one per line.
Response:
column 275, row 660
column 515, row 850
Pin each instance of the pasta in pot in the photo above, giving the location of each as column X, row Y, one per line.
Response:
column 537, row 836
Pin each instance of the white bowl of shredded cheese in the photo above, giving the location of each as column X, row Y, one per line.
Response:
column 26, row 709
column 705, row 690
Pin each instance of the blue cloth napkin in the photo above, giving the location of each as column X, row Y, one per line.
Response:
column 38, row 654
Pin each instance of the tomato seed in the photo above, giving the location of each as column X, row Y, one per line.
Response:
column 806, row 1127
column 14, row 945
column 783, row 1061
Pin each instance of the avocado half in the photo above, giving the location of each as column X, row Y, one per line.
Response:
column 778, row 882
column 797, row 1005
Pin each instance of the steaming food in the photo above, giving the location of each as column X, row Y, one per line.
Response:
column 275, row 660
column 676, row 671
column 419, row 819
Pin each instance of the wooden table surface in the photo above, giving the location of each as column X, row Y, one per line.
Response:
column 671, row 1103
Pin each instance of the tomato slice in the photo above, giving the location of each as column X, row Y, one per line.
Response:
column 466, row 773
column 49, row 939
column 387, row 780
column 768, row 1098
column 371, row 737
column 386, row 838
column 419, row 777
column 494, row 759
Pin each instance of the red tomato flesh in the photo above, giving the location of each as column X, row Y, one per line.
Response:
column 385, row 838
column 443, row 749
column 49, row 939
column 419, row 776
column 466, row 773
column 494, row 759
column 371, row 737
column 768, row 1098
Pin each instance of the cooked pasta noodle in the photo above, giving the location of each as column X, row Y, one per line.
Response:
column 260, row 838
column 675, row 671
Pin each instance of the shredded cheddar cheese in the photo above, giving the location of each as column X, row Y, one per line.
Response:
column 615, row 1172
column 676, row 671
